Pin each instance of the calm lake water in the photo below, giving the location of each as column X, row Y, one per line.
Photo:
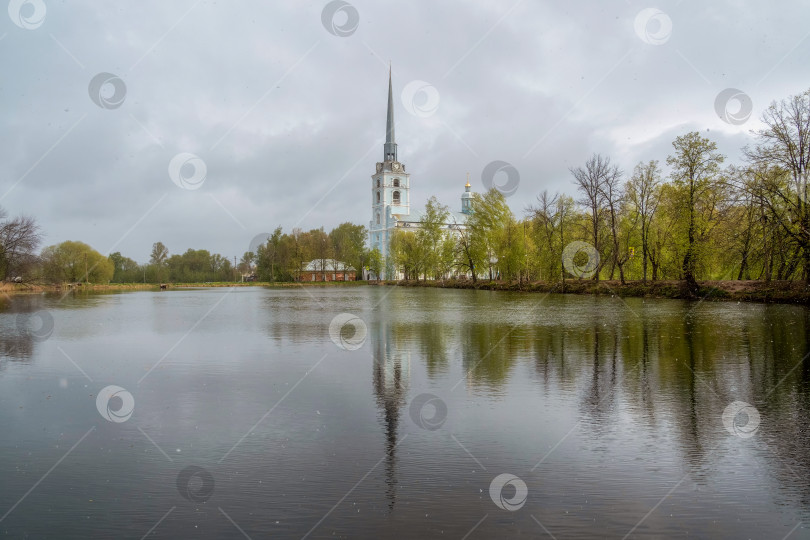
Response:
column 422, row 414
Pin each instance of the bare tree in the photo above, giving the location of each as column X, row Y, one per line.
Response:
column 613, row 195
column 768, row 188
column 644, row 195
column 19, row 239
column 784, row 144
column 590, row 181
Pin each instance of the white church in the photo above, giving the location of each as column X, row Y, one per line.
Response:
column 391, row 197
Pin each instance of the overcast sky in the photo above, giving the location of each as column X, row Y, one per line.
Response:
column 283, row 105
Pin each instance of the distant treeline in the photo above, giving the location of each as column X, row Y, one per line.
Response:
column 280, row 258
column 704, row 221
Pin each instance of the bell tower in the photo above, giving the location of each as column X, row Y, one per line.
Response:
column 466, row 198
column 390, row 187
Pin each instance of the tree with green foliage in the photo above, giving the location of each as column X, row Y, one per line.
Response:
column 406, row 253
column 320, row 249
column 375, row 263
column 299, row 254
column 245, row 265
column 564, row 212
column 510, row 248
column 125, row 270
column 696, row 175
column 487, row 225
column 430, row 237
column 348, row 245
column 446, row 256
column 198, row 266
column 75, row 261
column 550, row 218
column 269, row 258
column 158, row 260
column 469, row 253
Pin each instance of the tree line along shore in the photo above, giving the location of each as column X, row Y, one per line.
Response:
column 705, row 223
column 788, row 292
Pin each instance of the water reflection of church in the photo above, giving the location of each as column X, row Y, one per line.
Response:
column 391, row 373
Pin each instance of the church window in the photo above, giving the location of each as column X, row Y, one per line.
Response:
column 396, row 182
column 378, row 196
column 396, row 197
column 378, row 218
column 378, row 182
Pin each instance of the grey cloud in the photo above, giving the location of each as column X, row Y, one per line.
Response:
column 280, row 110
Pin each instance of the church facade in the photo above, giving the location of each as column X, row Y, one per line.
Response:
column 391, row 196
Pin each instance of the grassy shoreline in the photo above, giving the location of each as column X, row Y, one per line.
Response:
column 23, row 288
column 744, row 291
column 37, row 288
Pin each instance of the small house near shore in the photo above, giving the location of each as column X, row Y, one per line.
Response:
column 327, row 270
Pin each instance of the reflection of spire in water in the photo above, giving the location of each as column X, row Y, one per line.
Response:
column 391, row 373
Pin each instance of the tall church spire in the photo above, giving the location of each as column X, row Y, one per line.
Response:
column 390, row 148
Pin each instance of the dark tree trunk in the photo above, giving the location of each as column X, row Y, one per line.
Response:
column 643, row 251
column 689, row 258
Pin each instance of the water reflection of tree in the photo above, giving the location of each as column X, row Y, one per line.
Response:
column 694, row 353
column 781, row 392
column 709, row 356
column 666, row 366
column 17, row 344
column 600, row 395
column 488, row 352
column 550, row 354
column 679, row 350
column 433, row 340
column 291, row 316
column 681, row 367
column 645, row 381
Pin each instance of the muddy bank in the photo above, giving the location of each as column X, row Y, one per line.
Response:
column 747, row 291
